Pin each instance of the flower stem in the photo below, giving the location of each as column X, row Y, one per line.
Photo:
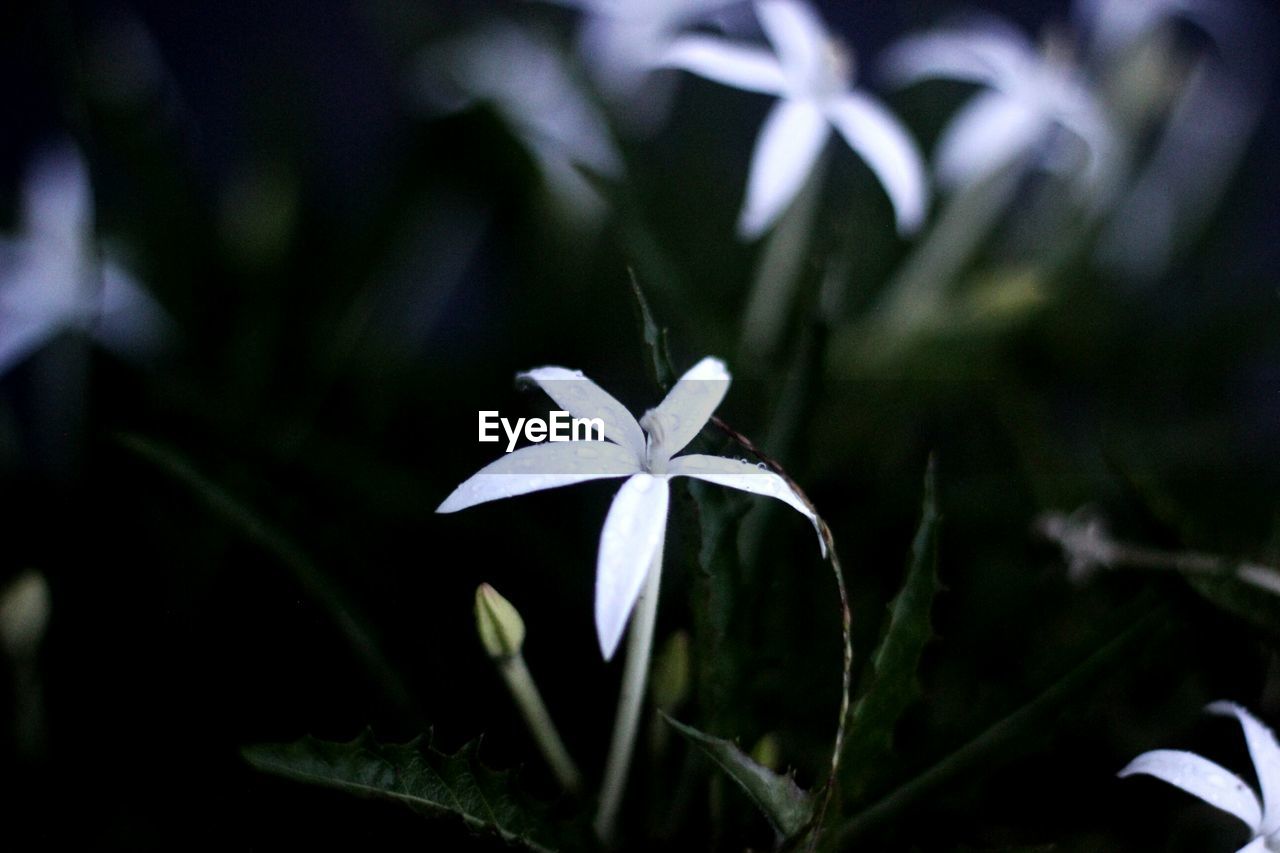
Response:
column 525, row 691
column 627, row 722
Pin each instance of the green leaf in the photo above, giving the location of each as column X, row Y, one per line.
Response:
column 1032, row 721
column 895, row 684
column 718, row 659
column 655, row 339
column 417, row 775
column 318, row 584
column 788, row 807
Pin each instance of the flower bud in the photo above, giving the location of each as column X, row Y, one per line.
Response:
column 24, row 613
column 768, row 752
column 669, row 679
column 500, row 626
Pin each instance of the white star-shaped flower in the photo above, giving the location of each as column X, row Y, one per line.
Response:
column 1028, row 95
column 635, row 528
column 1223, row 789
column 54, row 278
column 811, row 73
column 524, row 77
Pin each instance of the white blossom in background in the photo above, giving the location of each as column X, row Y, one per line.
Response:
column 623, row 42
column 811, row 73
column 635, row 528
column 525, row 78
column 1210, row 121
column 55, row 277
column 1114, row 25
column 1223, row 789
column 1028, row 97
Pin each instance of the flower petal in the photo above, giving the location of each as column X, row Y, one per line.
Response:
column 886, row 146
column 129, row 321
column 582, row 398
column 1257, row 845
column 23, row 334
column 988, row 133
column 630, row 544
column 798, row 35
column 1265, row 753
column 541, row 466
column 721, row 60
column 57, row 200
column 1202, row 778
column 990, row 54
column 737, row 474
column 789, row 143
column 688, row 406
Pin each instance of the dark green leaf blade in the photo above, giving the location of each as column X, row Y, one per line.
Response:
column 895, row 683
column 788, row 807
column 417, row 775
column 655, row 338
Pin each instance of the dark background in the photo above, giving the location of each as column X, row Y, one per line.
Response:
column 352, row 281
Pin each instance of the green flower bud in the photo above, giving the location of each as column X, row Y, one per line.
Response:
column 499, row 623
column 669, row 679
column 24, row 613
column 768, row 752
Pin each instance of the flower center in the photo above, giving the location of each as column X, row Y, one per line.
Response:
column 837, row 67
column 657, row 427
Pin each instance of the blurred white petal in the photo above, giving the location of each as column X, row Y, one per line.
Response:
column 1257, row 845
column 526, row 79
column 991, row 55
column 1265, row 753
column 886, row 146
column 989, row 132
column 582, row 398
column 57, row 202
column 541, row 466
column 737, row 474
column 788, row 145
column 798, row 35
column 718, row 59
column 1201, row 778
column 21, row 335
column 631, row 540
column 688, row 406
column 129, row 321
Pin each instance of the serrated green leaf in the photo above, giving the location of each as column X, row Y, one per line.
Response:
column 788, row 807
column 658, row 358
column 895, row 683
column 417, row 775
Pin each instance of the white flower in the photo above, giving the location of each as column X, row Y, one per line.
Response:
column 53, row 277
column 524, row 77
column 811, row 73
column 635, row 528
column 624, row 41
column 1114, row 25
column 1029, row 95
column 1223, row 789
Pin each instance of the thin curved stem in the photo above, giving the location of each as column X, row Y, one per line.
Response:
column 626, row 724
column 515, row 672
column 846, row 619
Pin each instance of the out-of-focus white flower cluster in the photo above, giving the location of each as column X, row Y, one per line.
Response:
column 1144, row 125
